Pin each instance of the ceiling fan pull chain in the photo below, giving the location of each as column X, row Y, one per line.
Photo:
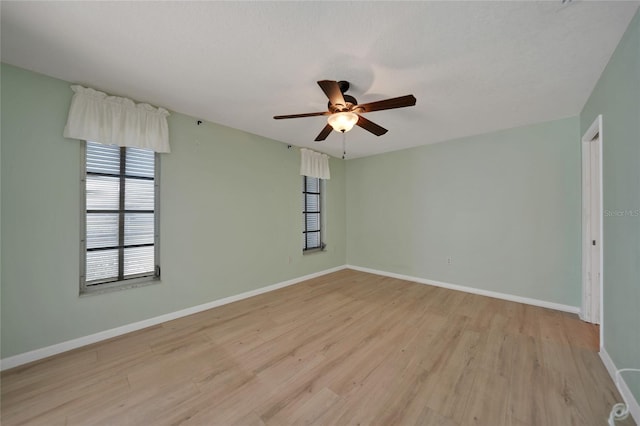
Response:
column 344, row 146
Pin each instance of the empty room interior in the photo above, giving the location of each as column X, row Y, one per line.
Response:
column 323, row 213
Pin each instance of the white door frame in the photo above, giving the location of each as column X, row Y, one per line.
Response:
column 592, row 253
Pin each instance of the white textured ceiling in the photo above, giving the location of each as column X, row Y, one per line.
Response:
column 474, row 67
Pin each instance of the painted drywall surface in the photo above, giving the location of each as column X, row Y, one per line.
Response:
column 504, row 206
column 230, row 215
column 617, row 98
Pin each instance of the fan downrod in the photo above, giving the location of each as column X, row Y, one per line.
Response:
column 343, row 85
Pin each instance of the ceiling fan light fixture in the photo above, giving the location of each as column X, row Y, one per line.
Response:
column 343, row 121
column 341, row 109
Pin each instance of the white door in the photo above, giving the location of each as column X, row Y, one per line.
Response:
column 592, row 223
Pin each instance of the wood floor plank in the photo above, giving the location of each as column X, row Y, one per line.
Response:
column 344, row 348
column 486, row 408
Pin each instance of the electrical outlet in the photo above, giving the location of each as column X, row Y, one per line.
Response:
column 449, row 260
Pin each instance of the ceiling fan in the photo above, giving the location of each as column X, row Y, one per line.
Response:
column 344, row 111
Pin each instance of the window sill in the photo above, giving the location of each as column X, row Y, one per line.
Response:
column 120, row 285
column 315, row 250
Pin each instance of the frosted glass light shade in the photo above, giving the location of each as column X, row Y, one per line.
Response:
column 343, row 121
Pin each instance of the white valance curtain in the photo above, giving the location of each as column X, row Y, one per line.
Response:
column 314, row 164
column 98, row 117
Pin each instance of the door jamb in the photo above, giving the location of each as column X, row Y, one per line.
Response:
column 595, row 130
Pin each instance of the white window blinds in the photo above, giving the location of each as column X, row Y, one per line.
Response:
column 120, row 223
column 312, row 193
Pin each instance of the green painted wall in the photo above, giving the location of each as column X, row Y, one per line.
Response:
column 504, row 206
column 230, row 219
column 617, row 98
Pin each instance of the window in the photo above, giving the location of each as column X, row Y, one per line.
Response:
column 120, row 229
column 312, row 214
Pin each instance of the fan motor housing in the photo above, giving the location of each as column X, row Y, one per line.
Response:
column 348, row 99
column 350, row 103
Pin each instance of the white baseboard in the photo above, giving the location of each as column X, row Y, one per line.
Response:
column 623, row 388
column 488, row 293
column 37, row 354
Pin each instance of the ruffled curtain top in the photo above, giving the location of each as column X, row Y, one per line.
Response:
column 314, row 164
column 112, row 120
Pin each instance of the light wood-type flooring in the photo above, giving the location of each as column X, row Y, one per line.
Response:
column 343, row 349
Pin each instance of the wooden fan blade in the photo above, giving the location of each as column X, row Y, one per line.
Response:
column 332, row 90
column 308, row 114
column 324, row 133
column 371, row 126
column 399, row 102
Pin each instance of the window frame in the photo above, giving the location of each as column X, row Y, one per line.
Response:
column 112, row 285
column 320, row 214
